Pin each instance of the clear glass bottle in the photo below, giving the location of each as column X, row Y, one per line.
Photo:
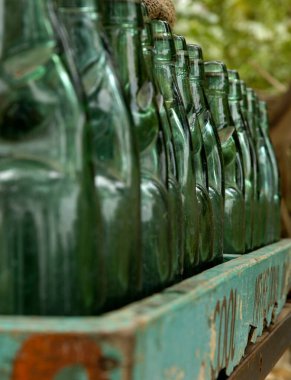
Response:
column 204, row 208
column 123, row 22
column 250, row 173
column 211, row 144
column 114, row 159
column 234, row 209
column 164, row 60
column 264, row 122
column 51, row 246
column 175, row 198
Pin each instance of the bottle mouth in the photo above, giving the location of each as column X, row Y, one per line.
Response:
column 146, row 35
column 251, row 99
column 122, row 12
column 195, row 52
column 196, row 61
column 161, row 29
column 233, row 75
column 180, row 44
column 183, row 61
column 145, row 14
column 163, row 41
column 88, row 4
column 263, row 106
column 216, row 76
column 234, row 90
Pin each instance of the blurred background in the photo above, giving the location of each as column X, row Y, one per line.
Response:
column 254, row 38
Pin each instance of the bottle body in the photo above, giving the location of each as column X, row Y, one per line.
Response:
column 113, row 156
column 181, row 138
column 204, row 208
column 125, row 37
column 51, row 258
column 265, row 180
column 174, row 195
column 255, row 167
column 234, row 209
column 249, row 171
column 264, row 123
column 215, row 179
column 211, row 145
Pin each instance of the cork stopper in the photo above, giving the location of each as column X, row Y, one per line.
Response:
column 161, row 10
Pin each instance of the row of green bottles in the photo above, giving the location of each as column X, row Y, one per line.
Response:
column 50, row 251
column 126, row 162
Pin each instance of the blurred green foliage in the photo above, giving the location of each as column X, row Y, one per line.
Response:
column 253, row 37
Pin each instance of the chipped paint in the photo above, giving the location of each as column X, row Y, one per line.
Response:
column 174, row 373
column 202, row 372
column 213, row 338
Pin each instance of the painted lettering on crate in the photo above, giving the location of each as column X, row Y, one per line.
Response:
column 45, row 356
column 224, row 320
column 266, row 292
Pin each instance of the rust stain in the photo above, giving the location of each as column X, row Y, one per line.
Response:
column 43, row 356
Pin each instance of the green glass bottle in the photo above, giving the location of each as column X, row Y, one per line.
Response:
column 114, row 159
column 234, row 209
column 256, row 214
column 250, row 174
column 276, row 232
column 51, row 237
column 211, row 144
column 123, row 23
column 264, row 171
column 175, row 198
column 204, row 208
column 164, row 60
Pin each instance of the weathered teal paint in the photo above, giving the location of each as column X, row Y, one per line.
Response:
column 190, row 331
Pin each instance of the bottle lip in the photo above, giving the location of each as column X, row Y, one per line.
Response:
column 235, row 92
column 162, row 34
column 161, row 29
column 80, row 4
column 263, row 106
column 233, row 75
column 251, row 94
column 218, row 72
column 145, row 13
column 180, row 44
column 195, row 52
column 130, row 15
column 215, row 68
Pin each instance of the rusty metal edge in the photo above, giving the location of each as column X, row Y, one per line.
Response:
column 261, row 357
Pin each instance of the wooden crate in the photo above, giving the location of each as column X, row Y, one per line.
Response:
column 190, row 331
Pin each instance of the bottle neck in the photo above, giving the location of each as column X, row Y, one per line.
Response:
column 182, row 75
column 198, row 94
column 218, row 102
column 81, row 25
column 166, row 77
column 264, row 121
column 25, row 27
column 234, row 105
column 126, row 45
